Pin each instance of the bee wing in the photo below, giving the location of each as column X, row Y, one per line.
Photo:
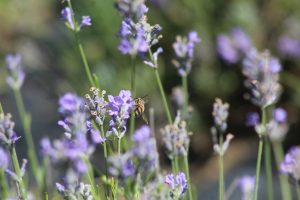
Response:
column 146, row 98
column 145, row 118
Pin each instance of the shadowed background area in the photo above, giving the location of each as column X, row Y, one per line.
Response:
column 36, row 30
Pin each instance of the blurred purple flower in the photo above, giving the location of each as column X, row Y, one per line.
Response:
column 178, row 185
column 184, row 50
column 4, row 159
column 86, row 21
column 121, row 166
column 280, row 115
column 8, row 136
column 176, row 138
column 262, row 76
column 16, row 74
column 252, row 119
column 246, row 185
column 220, row 114
column 134, row 9
column 234, row 46
column 290, row 164
column 289, row 46
column 67, row 15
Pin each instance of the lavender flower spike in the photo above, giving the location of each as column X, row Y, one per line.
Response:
column 290, row 165
column 16, row 75
column 178, row 185
column 86, row 21
column 262, row 76
column 4, row 159
column 220, row 114
column 7, row 134
column 184, row 50
column 68, row 16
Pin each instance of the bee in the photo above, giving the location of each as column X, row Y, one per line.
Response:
column 140, row 107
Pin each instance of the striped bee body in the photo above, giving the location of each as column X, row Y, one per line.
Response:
column 140, row 107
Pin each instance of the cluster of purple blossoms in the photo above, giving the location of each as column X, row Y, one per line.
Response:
column 141, row 159
column 291, row 164
column 75, row 191
column 8, row 136
column 68, row 15
column 234, row 46
column 178, row 185
column 16, row 74
column 184, row 50
column 252, row 119
column 74, row 148
column 262, row 76
column 246, row 185
column 120, row 107
column 145, row 150
column 220, row 114
column 288, row 46
column 136, row 34
column 176, row 138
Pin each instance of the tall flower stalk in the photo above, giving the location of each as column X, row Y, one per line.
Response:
column 262, row 76
column 72, row 24
column 15, row 80
column 220, row 114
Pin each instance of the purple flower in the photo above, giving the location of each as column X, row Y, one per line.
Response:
column 69, row 103
column 145, row 150
column 121, row 166
column 120, row 107
column 178, row 185
column 246, row 184
column 184, row 50
column 288, row 46
column 60, row 188
column 16, row 74
column 4, row 159
column 220, row 114
column 134, row 9
column 280, row 115
column 86, row 21
column 262, row 76
column 68, row 16
column 290, row 164
column 252, row 119
column 8, row 136
column 176, row 138
column 234, row 46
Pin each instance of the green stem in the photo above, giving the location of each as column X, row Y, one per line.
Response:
column 17, row 169
column 3, row 185
column 221, row 171
column 298, row 191
column 90, row 178
column 283, row 180
column 133, row 92
column 258, row 165
column 267, row 152
column 268, row 168
column 82, row 54
column 105, row 163
column 186, row 95
column 162, row 92
column 26, row 121
column 186, row 169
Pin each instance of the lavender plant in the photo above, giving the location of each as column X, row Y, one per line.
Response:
column 220, row 114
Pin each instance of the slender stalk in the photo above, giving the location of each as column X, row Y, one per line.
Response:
column 283, row 180
column 186, row 94
column 26, row 121
column 268, row 168
column 119, row 146
column 221, row 171
column 258, row 165
column 133, row 92
column 82, row 54
column 186, row 169
column 16, row 165
column 3, row 185
column 298, row 191
column 105, row 163
column 162, row 92
column 90, row 178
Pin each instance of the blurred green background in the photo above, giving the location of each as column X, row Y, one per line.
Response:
column 53, row 65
